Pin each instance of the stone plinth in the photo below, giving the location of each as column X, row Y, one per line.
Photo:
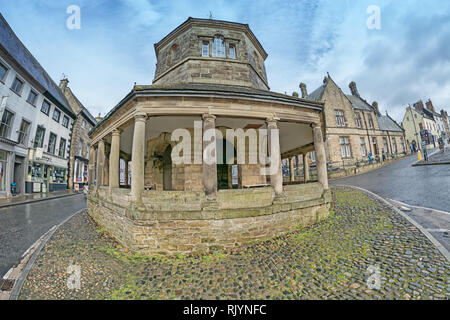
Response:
column 172, row 222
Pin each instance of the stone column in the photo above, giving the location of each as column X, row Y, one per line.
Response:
column 137, row 158
column 209, row 174
column 276, row 178
column 321, row 158
column 100, row 163
column 305, row 167
column 291, row 168
column 114, row 157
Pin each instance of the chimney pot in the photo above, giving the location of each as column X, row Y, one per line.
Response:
column 303, row 90
column 353, row 89
column 375, row 106
column 63, row 83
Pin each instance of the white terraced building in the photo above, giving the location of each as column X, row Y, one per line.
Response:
column 36, row 122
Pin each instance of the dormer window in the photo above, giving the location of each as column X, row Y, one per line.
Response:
column 205, row 49
column 232, row 51
column 218, row 49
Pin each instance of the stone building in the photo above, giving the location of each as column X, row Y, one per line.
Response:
column 445, row 121
column 354, row 128
column 420, row 126
column 79, row 148
column 182, row 165
column 36, row 122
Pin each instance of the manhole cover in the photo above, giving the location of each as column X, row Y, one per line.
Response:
column 6, row 285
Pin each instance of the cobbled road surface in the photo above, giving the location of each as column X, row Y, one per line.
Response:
column 364, row 250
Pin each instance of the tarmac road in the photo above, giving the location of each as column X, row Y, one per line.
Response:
column 23, row 224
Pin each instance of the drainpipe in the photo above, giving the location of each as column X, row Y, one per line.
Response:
column 367, row 130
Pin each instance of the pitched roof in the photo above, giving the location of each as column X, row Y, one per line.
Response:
column 359, row 103
column 16, row 50
column 386, row 123
column 316, row 95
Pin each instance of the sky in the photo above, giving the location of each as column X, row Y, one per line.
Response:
column 406, row 59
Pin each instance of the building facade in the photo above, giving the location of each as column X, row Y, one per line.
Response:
column 354, row 128
column 79, row 149
column 420, row 127
column 36, row 122
column 209, row 94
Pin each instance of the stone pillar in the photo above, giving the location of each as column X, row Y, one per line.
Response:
column 305, row 167
column 114, row 157
column 209, row 174
column 276, row 178
column 91, row 171
column 100, row 163
column 291, row 168
column 137, row 158
column 321, row 158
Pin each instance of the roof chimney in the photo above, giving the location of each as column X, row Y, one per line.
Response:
column 429, row 105
column 63, row 84
column 419, row 106
column 353, row 89
column 303, row 89
column 375, row 106
column 444, row 113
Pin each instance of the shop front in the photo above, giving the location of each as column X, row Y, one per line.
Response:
column 80, row 176
column 46, row 173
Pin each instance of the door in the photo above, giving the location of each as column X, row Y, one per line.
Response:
column 18, row 177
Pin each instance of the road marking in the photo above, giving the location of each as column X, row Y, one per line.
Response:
column 438, row 230
column 410, row 205
column 7, row 274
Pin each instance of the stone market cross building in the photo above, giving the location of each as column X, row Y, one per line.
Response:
column 210, row 77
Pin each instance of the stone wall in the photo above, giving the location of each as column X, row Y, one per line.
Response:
column 183, row 222
column 180, row 60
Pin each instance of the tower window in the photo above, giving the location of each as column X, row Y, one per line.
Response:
column 205, row 49
column 218, row 49
column 232, row 51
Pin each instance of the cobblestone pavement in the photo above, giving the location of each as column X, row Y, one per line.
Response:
column 331, row 260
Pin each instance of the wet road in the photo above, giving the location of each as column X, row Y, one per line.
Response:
column 425, row 186
column 22, row 225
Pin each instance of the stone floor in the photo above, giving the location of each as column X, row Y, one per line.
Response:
column 363, row 251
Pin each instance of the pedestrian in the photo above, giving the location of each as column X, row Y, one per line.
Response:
column 370, row 158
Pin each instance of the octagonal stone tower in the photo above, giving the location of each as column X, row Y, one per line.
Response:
column 211, row 51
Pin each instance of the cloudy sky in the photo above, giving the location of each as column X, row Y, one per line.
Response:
column 406, row 60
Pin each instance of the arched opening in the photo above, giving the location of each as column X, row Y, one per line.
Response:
column 227, row 170
column 167, row 168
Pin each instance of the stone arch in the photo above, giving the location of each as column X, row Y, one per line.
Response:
column 155, row 164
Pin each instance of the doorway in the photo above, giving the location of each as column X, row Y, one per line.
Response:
column 18, row 174
column 167, row 168
column 227, row 172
